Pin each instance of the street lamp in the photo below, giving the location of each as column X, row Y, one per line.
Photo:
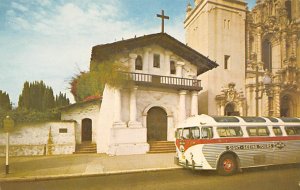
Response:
column 267, row 82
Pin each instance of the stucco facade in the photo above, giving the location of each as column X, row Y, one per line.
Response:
column 167, row 91
column 40, row 139
column 79, row 112
column 273, row 45
column 248, row 46
column 216, row 28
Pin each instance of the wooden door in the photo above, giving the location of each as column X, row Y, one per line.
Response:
column 86, row 130
column 156, row 124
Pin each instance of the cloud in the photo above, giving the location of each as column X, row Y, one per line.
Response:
column 52, row 40
column 19, row 7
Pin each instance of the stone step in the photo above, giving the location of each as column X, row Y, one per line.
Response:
column 85, row 148
column 162, row 151
column 161, row 147
column 85, row 152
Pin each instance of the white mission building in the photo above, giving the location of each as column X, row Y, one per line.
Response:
column 165, row 89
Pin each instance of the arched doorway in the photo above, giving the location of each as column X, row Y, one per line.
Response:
column 267, row 54
column 86, row 130
column 229, row 110
column 286, row 106
column 156, row 124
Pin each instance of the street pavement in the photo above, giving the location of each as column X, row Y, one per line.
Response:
column 78, row 165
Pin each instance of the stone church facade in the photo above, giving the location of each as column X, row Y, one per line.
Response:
column 164, row 91
column 251, row 47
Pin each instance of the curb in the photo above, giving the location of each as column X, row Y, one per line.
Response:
column 68, row 176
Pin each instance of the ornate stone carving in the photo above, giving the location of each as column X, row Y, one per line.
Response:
column 231, row 95
column 273, row 21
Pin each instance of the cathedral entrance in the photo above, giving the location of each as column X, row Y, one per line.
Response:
column 286, row 106
column 156, row 124
column 229, row 110
column 86, row 130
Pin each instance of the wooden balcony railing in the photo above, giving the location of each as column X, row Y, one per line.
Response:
column 164, row 81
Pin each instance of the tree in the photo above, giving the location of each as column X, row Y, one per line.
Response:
column 61, row 100
column 5, row 103
column 36, row 96
column 92, row 83
column 24, row 99
column 87, row 85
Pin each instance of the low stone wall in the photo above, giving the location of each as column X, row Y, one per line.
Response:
column 40, row 139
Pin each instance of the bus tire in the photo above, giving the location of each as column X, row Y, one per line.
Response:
column 227, row 165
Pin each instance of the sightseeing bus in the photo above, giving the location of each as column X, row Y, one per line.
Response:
column 229, row 143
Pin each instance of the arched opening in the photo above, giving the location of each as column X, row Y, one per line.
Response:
column 157, row 124
column 267, row 55
column 229, row 110
column 86, row 130
column 286, row 106
column 288, row 6
column 138, row 63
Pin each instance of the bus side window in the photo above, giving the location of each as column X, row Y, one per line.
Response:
column 207, row 133
column 263, row 131
column 178, row 133
column 195, row 132
column 290, row 130
column 186, row 133
column 277, row 131
column 258, row 131
column 251, row 131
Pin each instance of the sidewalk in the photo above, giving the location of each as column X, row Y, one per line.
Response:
column 64, row 166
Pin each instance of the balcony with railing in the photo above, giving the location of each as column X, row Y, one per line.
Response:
column 164, row 81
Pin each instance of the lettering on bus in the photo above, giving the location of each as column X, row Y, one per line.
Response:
column 250, row 147
column 278, row 145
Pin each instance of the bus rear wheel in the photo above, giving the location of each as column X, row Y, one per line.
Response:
column 227, row 165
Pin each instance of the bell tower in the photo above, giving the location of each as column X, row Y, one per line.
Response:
column 216, row 28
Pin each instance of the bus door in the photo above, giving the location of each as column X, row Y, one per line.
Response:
column 190, row 136
column 206, row 132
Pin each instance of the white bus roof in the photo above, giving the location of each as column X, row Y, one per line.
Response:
column 211, row 120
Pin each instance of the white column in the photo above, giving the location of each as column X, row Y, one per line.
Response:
column 132, row 57
column 283, row 46
column 117, row 109
column 167, row 63
column 182, row 110
column 218, row 109
column 179, row 66
column 194, row 103
column 294, row 44
column 133, row 104
column 222, row 110
column 146, row 60
column 259, row 55
column 241, row 109
column 133, row 109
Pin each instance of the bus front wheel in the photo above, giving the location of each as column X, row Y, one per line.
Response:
column 227, row 165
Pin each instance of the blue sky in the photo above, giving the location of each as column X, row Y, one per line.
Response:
column 51, row 40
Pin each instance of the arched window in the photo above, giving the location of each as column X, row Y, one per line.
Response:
column 287, row 106
column 288, row 7
column 267, row 55
column 172, row 67
column 138, row 63
column 230, row 111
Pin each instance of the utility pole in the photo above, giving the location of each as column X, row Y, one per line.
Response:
column 8, row 125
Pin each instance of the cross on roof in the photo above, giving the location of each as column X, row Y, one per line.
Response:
column 163, row 17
